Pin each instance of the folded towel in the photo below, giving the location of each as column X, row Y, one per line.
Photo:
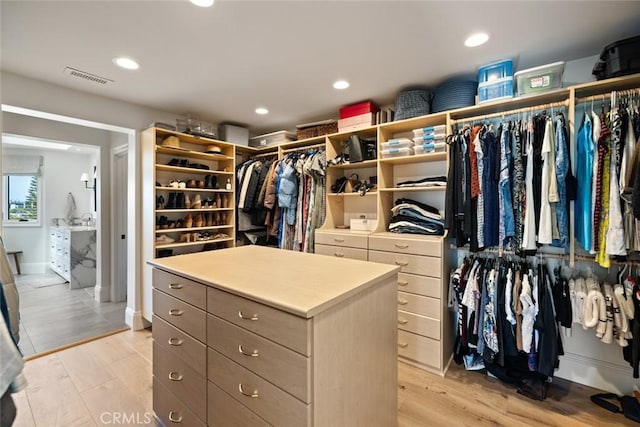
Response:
column 595, row 310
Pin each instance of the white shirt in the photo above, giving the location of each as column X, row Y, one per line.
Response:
column 529, row 234
column 544, row 230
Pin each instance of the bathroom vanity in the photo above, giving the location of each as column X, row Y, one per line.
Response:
column 72, row 254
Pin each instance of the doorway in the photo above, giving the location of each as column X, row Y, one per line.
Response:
column 120, row 160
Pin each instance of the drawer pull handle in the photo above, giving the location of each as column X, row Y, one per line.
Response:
column 403, row 344
column 252, row 318
column 173, row 418
column 403, row 283
column 402, row 263
column 403, row 302
column 338, row 254
column 336, row 239
column 175, row 342
column 403, row 322
column 175, row 286
column 254, row 353
column 253, row 395
column 175, row 312
column 175, row 376
column 401, row 246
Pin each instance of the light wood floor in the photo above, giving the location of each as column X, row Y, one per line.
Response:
column 86, row 385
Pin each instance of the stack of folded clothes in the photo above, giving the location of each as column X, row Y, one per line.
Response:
column 430, row 181
column 412, row 217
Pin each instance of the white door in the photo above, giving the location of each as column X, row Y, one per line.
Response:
column 119, row 198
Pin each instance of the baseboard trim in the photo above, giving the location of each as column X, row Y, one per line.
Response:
column 611, row 377
column 135, row 320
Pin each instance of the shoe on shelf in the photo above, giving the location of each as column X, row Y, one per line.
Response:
column 223, row 218
column 200, row 184
column 164, row 239
column 174, row 184
column 188, row 221
column 187, row 202
column 171, row 224
column 197, row 202
column 179, row 200
column 182, row 184
column 191, row 183
column 185, row 238
column 174, row 162
column 216, row 218
column 160, row 202
column 198, row 221
column 179, row 223
column 161, row 222
column 184, row 163
column 171, row 203
column 208, row 220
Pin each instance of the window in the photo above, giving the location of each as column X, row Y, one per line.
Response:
column 22, row 199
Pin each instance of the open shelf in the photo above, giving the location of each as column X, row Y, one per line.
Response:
column 356, row 194
column 412, row 189
column 192, row 210
column 357, row 165
column 185, row 230
column 410, row 236
column 201, row 190
column 191, row 154
column 420, row 158
column 199, row 242
column 167, row 168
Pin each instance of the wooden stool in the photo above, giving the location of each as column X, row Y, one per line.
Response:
column 15, row 259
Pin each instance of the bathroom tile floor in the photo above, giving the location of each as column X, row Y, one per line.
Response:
column 52, row 315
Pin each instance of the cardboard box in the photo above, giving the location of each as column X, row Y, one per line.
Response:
column 357, row 122
column 358, row 109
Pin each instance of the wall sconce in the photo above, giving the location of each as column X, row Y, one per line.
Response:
column 85, row 178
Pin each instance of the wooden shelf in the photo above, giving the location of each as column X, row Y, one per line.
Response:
column 186, row 230
column 357, row 165
column 301, row 143
column 192, row 139
column 191, row 154
column 192, row 210
column 167, row 168
column 200, row 190
column 420, row 158
column 408, row 125
column 410, row 189
column 356, row 194
column 199, row 242
column 343, row 231
column 422, row 237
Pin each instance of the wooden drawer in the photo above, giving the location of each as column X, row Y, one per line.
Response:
column 181, row 380
column 349, row 239
column 418, row 304
column 421, row 325
column 224, row 410
column 422, row 265
column 341, row 252
column 431, row 246
column 184, row 289
column 276, row 406
column 176, row 342
column 419, row 349
column 186, row 317
column 283, row 328
column 421, row 285
column 283, row 367
column 171, row 410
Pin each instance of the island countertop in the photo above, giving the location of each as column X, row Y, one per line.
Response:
column 299, row 283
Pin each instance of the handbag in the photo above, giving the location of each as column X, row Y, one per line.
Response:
column 630, row 405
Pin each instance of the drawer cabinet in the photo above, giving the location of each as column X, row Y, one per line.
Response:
column 342, row 245
column 271, row 358
column 342, row 252
column 72, row 255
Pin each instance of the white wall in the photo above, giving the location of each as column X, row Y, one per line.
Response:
column 60, row 176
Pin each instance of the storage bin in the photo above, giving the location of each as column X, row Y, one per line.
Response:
column 495, row 71
column 454, row 94
column 235, row 134
column 539, row 79
column 440, row 137
column 438, row 129
column 429, row 148
column 619, row 59
column 274, row 138
column 498, row 89
column 397, row 152
column 397, row 143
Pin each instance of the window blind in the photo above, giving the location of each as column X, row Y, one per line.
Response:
column 21, row 165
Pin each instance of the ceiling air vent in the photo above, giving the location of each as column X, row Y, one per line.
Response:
column 87, row 76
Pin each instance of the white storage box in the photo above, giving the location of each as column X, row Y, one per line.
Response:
column 429, row 130
column 274, row 138
column 362, row 224
column 397, row 143
column 429, row 148
column 429, row 138
column 397, row 152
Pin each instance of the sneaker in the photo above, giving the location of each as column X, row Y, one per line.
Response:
column 164, row 239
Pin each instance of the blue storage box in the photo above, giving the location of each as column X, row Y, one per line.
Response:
column 497, row 89
column 495, row 71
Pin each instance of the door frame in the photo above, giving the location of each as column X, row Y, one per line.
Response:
column 116, row 206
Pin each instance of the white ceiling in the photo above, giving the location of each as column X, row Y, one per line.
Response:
column 222, row 62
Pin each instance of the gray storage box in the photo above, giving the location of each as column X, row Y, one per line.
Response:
column 235, row 134
column 274, row 138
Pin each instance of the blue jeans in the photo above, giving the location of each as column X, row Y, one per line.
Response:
column 562, row 167
column 507, row 221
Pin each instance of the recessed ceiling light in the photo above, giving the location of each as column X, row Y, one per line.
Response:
column 127, row 63
column 341, row 84
column 476, row 39
column 262, row 110
column 202, row 3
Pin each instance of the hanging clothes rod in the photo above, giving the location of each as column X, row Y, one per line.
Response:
column 274, row 154
column 547, row 106
column 305, row 148
column 508, row 252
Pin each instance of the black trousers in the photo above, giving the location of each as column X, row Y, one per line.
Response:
column 7, row 410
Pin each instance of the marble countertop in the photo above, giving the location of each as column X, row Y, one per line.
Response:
column 299, row 283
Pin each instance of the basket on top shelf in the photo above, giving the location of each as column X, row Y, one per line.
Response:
column 312, row 130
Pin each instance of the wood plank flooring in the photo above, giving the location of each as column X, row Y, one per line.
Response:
column 89, row 384
column 52, row 315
